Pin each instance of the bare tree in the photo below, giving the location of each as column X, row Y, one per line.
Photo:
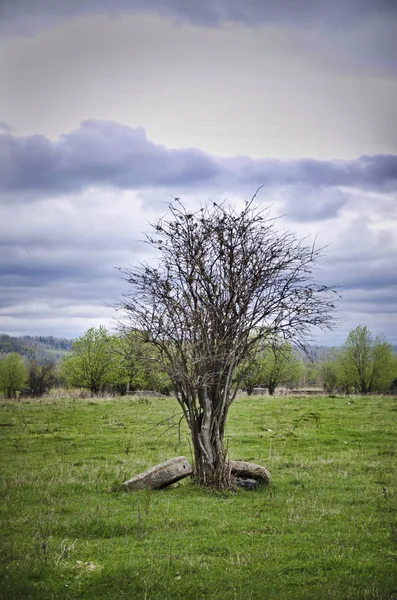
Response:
column 224, row 281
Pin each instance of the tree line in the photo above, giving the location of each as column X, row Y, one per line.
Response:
column 100, row 362
column 97, row 361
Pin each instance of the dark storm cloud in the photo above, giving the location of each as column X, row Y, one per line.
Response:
column 106, row 154
column 25, row 16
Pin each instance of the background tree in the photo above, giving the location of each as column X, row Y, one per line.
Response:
column 13, row 374
column 329, row 374
column 225, row 280
column 41, row 376
column 252, row 373
column 310, row 373
column 118, row 376
column 366, row 363
column 283, row 365
column 89, row 363
column 139, row 361
column 100, row 361
column 274, row 363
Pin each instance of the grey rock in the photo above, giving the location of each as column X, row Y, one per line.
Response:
column 246, row 470
column 161, row 475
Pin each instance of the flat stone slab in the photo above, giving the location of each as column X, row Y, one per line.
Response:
column 246, row 470
column 161, row 475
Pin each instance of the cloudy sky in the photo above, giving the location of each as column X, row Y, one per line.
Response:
column 109, row 107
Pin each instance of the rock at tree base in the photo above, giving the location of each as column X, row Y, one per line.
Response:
column 246, row 483
column 250, row 471
column 161, row 475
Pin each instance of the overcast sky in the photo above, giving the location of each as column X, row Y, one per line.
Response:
column 108, row 107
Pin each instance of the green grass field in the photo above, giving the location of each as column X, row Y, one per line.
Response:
column 325, row 529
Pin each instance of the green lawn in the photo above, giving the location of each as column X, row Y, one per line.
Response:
column 325, row 529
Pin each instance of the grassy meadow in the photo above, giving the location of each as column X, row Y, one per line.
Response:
column 324, row 529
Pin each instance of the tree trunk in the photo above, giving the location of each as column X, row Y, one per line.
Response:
column 210, row 465
column 211, row 468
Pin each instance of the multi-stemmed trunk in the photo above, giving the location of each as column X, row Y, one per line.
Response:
column 210, row 467
column 206, row 418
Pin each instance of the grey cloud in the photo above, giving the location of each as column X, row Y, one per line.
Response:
column 358, row 35
column 376, row 301
column 362, row 260
column 373, row 308
column 365, row 172
column 303, row 202
column 25, row 16
column 58, row 254
column 107, row 154
column 99, row 153
column 60, row 291
column 4, row 126
column 372, row 278
column 58, row 257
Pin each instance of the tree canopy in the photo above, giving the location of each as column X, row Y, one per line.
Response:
column 366, row 363
column 88, row 364
column 41, row 376
column 100, row 361
column 274, row 363
column 13, row 374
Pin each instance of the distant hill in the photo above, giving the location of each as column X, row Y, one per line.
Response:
column 42, row 347
column 315, row 353
column 318, row 353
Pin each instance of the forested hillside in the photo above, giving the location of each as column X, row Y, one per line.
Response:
column 40, row 347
